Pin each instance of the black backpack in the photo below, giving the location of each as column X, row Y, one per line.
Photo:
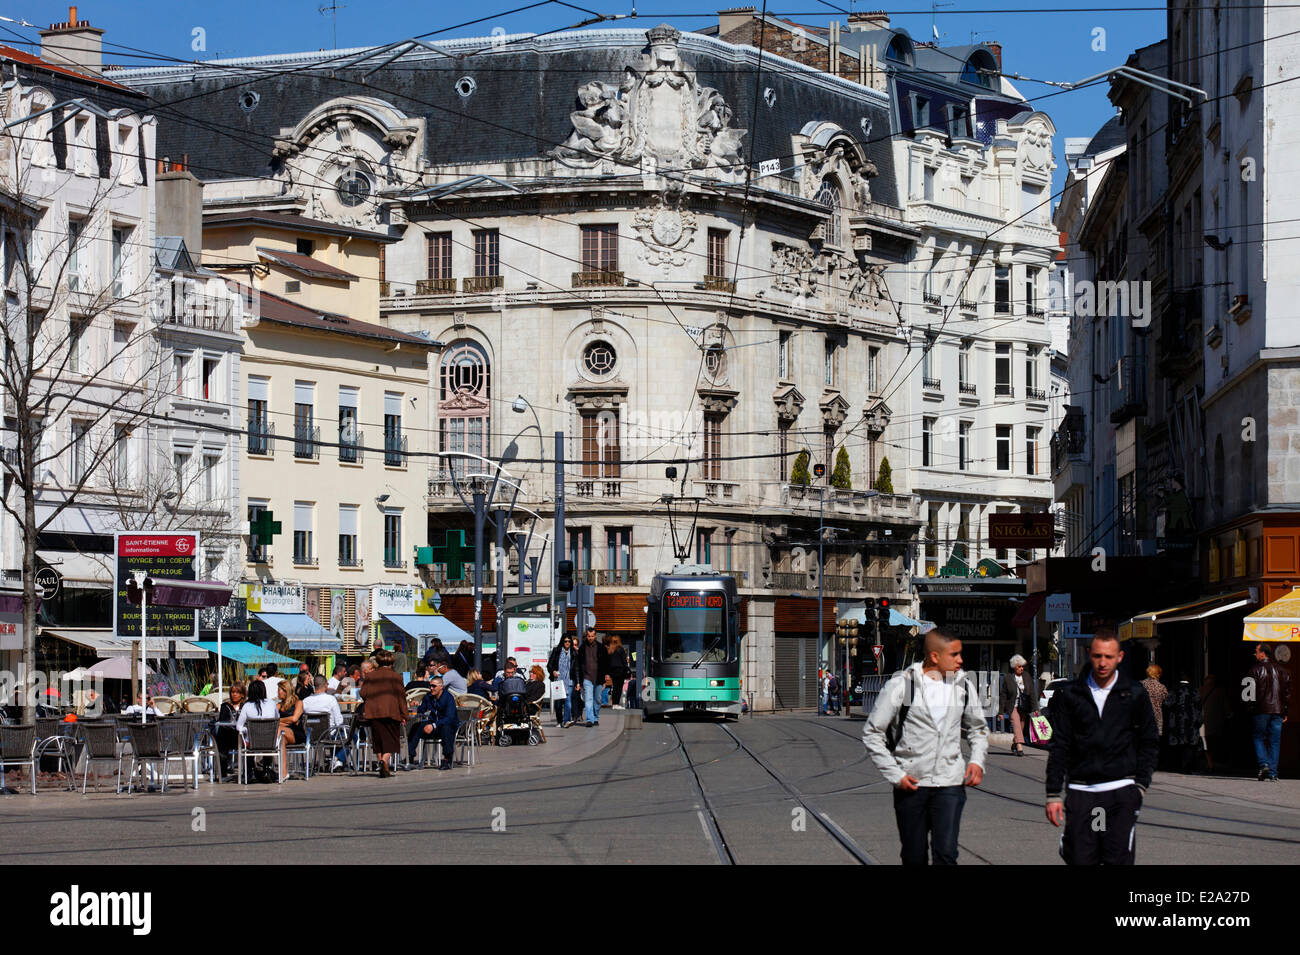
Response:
column 894, row 731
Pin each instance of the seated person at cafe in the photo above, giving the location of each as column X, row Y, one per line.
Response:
column 340, row 671
column 511, row 680
column 479, row 686
column 136, row 708
column 511, row 663
column 535, row 688
column 436, row 718
column 324, row 702
column 227, row 735
column 450, row 678
column 421, row 681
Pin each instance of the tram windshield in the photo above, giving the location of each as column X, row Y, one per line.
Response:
column 695, row 629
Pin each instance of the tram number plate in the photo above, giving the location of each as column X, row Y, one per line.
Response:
column 695, row 705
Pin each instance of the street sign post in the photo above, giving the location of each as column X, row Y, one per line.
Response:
column 160, row 556
column 1058, row 608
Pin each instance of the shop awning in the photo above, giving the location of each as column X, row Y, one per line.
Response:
column 427, row 625
column 105, row 645
column 241, row 651
column 1141, row 626
column 85, row 571
column 302, row 632
column 1278, row 622
column 1028, row 611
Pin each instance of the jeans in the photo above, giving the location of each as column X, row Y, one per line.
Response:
column 445, row 733
column 591, row 702
column 930, row 814
column 1268, row 740
column 568, row 702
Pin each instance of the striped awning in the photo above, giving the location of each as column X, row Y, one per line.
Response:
column 1278, row 622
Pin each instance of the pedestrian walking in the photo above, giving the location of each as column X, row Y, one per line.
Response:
column 1105, row 745
column 1182, row 723
column 386, row 711
column 833, row 695
column 618, row 671
column 563, row 666
column 914, row 736
column 1272, row 686
column 1158, row 694
column 1018, row 700
column 593, row 666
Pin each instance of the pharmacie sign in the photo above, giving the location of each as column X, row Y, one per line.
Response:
column 402, row 599
column 274, row 598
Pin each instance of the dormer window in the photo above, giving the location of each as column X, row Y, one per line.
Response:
column 829, row 196
column 899, row 50
column 980, row 69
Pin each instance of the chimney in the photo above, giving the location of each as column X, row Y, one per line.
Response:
column 869, row 20
column 178, row 205
column 996, row 48
column 75, row 44
column 729, row 20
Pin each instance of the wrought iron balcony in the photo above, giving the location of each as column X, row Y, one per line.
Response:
column 719, row 283
column 966, row 388
column 351, row 446
column 395, row 450
column 1128, row 390
column 931, row 384
column 1001, row 390
column 1035, row 394
column 306, row 442
column 261, row 437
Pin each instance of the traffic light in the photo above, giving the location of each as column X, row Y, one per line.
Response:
column 882, row 612
column 564, row 576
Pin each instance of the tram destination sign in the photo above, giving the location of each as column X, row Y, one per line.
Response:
column 1022, row 531
column 162, row 555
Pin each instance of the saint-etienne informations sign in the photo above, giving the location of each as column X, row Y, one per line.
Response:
column 161, row 555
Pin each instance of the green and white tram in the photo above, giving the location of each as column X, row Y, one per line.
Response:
column 692, row 644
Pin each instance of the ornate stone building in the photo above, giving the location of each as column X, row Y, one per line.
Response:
column 680, row 256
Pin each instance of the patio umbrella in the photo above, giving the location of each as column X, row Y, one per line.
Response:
column 77, row 675
column 114, row 668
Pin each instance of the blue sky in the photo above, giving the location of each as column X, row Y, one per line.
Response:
column 1044, row 45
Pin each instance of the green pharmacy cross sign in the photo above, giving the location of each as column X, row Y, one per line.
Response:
column 265, row 527
column 454, row 554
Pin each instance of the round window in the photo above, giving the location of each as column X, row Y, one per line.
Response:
column 715, row 361
column 599, row 359
column 353, row 188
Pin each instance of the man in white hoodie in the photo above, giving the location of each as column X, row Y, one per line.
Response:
column 914, row 737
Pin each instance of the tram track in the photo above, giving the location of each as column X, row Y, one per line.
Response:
column 709, row 811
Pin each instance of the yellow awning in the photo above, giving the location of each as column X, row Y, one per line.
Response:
column 1278, row 622
column 1143, row 625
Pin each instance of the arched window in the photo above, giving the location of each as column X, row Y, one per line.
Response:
column 463, row 402
column 899, row 50
column 979, row 69
column 829, row 196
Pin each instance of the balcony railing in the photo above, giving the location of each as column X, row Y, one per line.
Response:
column 395, row 450
column 436, row 286
column 354, row 562
column 306, row 442
column 214, row 313
column 719, row 283
column 1001, row 390
column 1129, row 393
column 393, row 562
column 931, row 298
column 837, row 582
column 597, row 278
column 1033, row 311
column 782, row 580
column 720, row 490
column 259, row 555
column 351, row 445
column 305, row 560
column 968, row 306
column 931, row 384
column 1035, row 394
column 619, row 577
column 966, row 388
column 482, row 283
column 261, row 437
column 600, row 487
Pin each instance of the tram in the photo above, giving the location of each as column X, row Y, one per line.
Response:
column 692, row 639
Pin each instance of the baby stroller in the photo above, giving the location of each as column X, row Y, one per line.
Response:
column 514, row 721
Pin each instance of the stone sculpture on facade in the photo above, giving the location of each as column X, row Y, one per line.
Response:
column 656, row 118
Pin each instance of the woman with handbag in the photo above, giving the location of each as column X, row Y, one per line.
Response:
column 1018, row 698
column 386, row 710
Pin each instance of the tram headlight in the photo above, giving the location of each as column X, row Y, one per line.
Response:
column 717, row 683
column 672, row 682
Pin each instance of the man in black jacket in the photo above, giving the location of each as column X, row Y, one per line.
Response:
column 1105, row 742
column 1272, row 700
column 593, row 665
